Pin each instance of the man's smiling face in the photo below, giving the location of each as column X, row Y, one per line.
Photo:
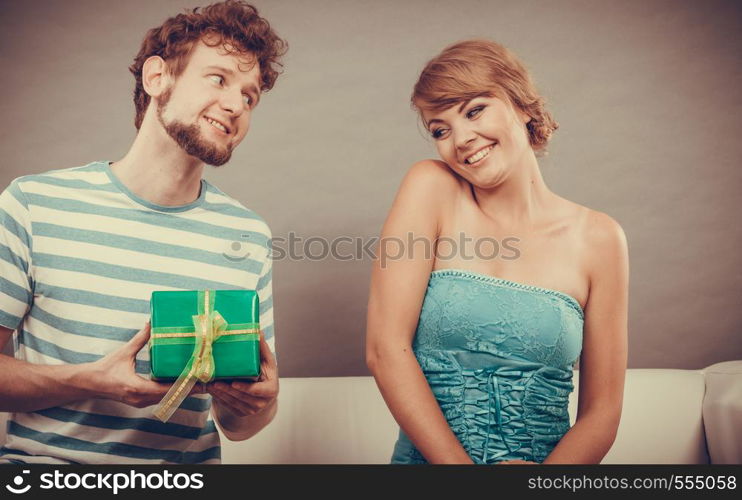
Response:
column 208, row 107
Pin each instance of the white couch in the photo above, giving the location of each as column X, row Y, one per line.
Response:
column 343, row 420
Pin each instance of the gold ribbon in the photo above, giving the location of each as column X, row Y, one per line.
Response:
column 209, row 326
column 191, row 334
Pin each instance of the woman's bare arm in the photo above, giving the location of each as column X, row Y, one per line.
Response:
column 604, row 351
column 398, row 285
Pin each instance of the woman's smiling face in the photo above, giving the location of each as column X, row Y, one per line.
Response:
column 482, row 139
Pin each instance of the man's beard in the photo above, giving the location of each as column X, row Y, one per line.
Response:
column 190, row 139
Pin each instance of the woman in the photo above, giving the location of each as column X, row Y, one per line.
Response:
column 473, row 350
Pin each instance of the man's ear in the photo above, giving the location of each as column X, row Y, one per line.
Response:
column 523, row 116
column 155, row 76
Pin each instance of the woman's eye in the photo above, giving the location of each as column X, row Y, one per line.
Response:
column 474, row 112
column 248, row 99
column 438, row 133
column 218, row 79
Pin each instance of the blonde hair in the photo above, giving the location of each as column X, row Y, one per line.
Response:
column 476, row 68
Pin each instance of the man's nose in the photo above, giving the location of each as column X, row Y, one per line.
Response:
column 232, row 102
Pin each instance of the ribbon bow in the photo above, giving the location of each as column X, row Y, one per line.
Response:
column 209, row 326
column 493, row 395
column 494, row 407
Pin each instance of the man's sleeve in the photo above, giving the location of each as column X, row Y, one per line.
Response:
column 16, row 282
column 265, row 295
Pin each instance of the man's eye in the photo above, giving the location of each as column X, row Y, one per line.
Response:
column 474, row 112
column 218, row 79
column 248, row 99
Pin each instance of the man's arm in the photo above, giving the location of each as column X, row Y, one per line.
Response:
column 242, row 409
column 28, row 387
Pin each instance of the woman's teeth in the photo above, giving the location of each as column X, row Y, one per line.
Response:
column 479, row 155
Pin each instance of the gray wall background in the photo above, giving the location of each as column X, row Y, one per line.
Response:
column 647, row 95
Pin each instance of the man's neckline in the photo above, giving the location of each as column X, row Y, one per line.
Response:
column 153, row 206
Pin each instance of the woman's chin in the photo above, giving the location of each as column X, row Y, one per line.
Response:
column 485, row 179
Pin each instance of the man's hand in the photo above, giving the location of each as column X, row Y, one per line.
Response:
column 249, row 398
column 114, row 375
column 516, row 462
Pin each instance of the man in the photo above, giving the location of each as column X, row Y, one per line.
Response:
column 82, row 249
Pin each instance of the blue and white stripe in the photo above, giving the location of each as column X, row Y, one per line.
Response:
column 79, row 257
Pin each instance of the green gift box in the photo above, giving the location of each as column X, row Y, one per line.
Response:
column 236, row 350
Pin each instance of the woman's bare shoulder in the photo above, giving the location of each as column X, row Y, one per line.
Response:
column 600, row 234
column 432, row 182
column 434, row 173
column 602, row 230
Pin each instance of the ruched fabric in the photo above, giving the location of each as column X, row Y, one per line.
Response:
column 498, row 356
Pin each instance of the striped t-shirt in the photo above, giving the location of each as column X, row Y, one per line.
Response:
column 80, row 255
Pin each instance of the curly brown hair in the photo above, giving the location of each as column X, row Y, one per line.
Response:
column 474, row 68
column 234, row 24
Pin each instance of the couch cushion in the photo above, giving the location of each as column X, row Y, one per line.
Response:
column 327, row 420
column 661, row 421
column 344, row 420
column 336, row 420
column 722, row 412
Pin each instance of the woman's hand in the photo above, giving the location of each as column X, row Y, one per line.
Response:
column 516, row 462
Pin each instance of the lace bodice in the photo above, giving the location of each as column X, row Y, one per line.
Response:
column 498, row 356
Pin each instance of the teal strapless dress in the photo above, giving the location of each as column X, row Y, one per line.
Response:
column 498, row 356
